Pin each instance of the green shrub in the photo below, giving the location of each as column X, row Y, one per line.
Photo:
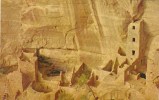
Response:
column 65, row 96
column 82, row 79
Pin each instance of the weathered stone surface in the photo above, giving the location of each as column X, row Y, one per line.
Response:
column 117, row 40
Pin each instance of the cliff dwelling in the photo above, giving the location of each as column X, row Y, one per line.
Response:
column 79, row 50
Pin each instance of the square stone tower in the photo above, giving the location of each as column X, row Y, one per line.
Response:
column 136, row 43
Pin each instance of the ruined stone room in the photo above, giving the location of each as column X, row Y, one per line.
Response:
column 79, row 50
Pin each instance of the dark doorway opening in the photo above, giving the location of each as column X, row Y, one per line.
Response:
column 133, row 39
column 133, row 27
column 133, row 52
column 142, row 75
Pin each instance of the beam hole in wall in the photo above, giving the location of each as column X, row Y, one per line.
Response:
column 133, row 27
column 133, row 52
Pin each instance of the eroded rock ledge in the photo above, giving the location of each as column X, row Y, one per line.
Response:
column 79, row 50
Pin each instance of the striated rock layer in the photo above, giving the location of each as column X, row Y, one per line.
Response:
column 79, row 50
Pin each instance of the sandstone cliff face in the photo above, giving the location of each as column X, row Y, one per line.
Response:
column 106, row 35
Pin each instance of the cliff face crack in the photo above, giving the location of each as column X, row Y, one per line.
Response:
column 100, row 27
column 79, row 50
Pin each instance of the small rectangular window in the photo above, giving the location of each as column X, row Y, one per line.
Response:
column 133, row 39
column 133, row 27
column 133, row 52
